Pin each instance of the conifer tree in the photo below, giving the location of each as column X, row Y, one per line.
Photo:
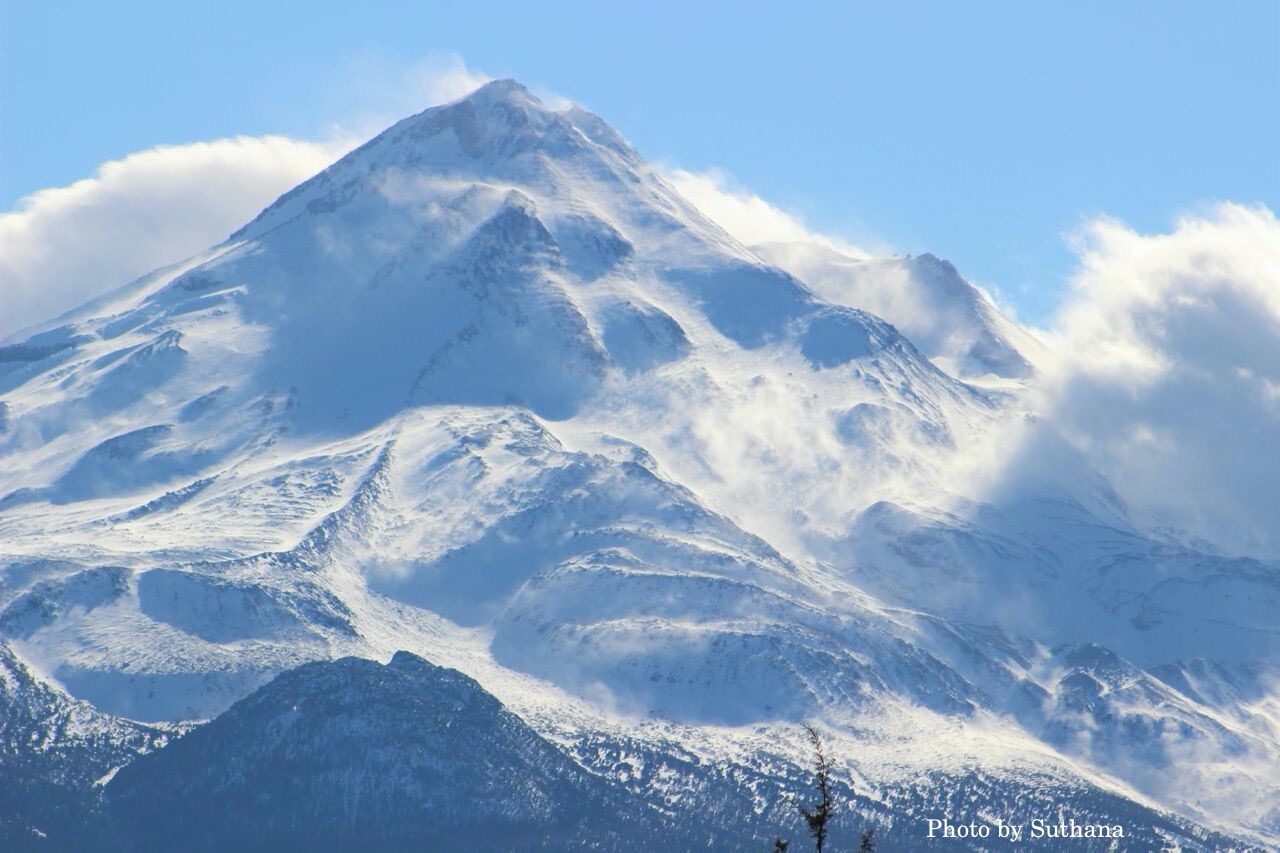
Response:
column 820, row 813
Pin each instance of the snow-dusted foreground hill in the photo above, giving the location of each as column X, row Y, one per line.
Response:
column 490, row 391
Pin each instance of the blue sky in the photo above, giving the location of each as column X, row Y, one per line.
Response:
column 983, row 132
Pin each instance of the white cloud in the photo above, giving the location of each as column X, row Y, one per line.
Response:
column 1169, row 378
column 61, row 247
column 747, row 217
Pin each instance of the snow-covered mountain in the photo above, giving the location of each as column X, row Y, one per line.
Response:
column 490, row 391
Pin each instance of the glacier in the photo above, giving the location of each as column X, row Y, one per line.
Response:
column 488, row 392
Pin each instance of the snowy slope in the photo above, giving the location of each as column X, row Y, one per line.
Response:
column 489, row 390
column 54, row 753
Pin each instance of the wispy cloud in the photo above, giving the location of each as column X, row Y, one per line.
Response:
column 372, row 91
column 746, row 216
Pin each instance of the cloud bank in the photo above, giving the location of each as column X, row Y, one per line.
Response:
column 1169, row 372
column 61, row 247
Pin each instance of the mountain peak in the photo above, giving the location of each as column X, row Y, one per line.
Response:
column 501, row 114
column 505, row 97
column 506, row 90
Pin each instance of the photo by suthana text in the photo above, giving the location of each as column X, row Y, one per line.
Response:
column 1037, row 829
